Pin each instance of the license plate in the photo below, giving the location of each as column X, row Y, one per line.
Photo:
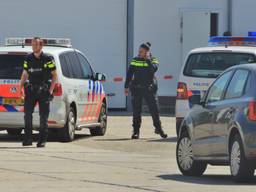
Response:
column 13, row 101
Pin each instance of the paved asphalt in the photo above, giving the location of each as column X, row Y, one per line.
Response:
column 111, row 163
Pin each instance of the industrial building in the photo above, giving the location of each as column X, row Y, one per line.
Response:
column 110, row 31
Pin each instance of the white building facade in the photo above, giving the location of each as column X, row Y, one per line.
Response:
column 110, row 31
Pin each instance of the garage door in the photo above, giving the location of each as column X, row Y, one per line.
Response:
column 96, row 27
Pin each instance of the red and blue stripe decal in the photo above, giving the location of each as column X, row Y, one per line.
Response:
column 94, row 101
column 9, row 108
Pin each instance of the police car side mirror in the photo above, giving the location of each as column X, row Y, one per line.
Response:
column 100, row 77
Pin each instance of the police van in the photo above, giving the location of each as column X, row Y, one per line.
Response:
column 204, row 65
column 79, row 98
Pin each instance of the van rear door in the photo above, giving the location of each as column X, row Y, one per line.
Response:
column 11, row 66
column 203, row 68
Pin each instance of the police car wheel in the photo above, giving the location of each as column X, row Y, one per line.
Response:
column 14, row 132
column 101, row 130
column 68, row 132
column 188, row 166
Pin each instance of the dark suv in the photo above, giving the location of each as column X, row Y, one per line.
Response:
column 221, row 130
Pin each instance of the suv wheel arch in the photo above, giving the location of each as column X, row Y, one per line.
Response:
column 184, row 128
column 232, row 133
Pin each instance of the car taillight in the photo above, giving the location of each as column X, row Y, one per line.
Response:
column 252, row 111
column 182, row 91
column 57, row 90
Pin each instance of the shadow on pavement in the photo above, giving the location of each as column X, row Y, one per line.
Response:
column 170, row 139
column 206, row 179
column 82, row 136
column 121, row 139
column 4, row 137
column 129, row 114
column 18, row 147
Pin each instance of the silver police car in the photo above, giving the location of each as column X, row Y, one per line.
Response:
column 79, row 98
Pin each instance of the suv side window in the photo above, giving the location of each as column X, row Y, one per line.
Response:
column 73, row 61
column 86, row 68
column 237, row 84
column 65, row 67
column 217, row 89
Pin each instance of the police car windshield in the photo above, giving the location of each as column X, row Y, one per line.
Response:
column 11, row 66
column 211, row 65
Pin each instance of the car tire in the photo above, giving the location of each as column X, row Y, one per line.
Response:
column 185, row 160
column 240, row 167
column 67, row 133
column 14, row 132
column 101, row 130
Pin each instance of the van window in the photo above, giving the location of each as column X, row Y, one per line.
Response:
column 11, row 66
column 74, row 63
column 211, row 65
column 86, row 68
column 237, row 84
column 65, row 68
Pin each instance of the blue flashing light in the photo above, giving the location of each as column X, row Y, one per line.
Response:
column 252, row 33
column 233, row 41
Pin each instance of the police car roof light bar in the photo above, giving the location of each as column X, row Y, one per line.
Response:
column 56, row 42
column 233, row 41
column 252, row 33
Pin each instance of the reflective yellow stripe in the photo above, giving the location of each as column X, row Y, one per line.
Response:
column 51, row 66
column 139, row 63
column 25, row 65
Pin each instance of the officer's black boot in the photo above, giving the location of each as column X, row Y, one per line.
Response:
column 43, row 134
column 136, row 135
column 27, row 142
column 42, row 141
column 159, row 131
column 41, row 144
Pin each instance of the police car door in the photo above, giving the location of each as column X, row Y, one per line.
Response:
column 78, row 86
column 93, row 95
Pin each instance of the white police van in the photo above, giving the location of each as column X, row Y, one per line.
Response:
column 79, row 98
column 204, row 65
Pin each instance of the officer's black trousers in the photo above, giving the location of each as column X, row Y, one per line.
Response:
column 150, row 96
column 33, row 98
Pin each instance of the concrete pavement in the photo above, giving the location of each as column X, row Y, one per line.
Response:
column 110, row 163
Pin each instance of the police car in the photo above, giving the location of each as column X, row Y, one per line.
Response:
column 204, row 65
column 79, row 98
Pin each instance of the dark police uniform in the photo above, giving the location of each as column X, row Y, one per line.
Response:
column 37, row 91
column 143, row 84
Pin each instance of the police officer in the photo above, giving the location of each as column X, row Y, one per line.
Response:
column 38, row 80
column 143, row 85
